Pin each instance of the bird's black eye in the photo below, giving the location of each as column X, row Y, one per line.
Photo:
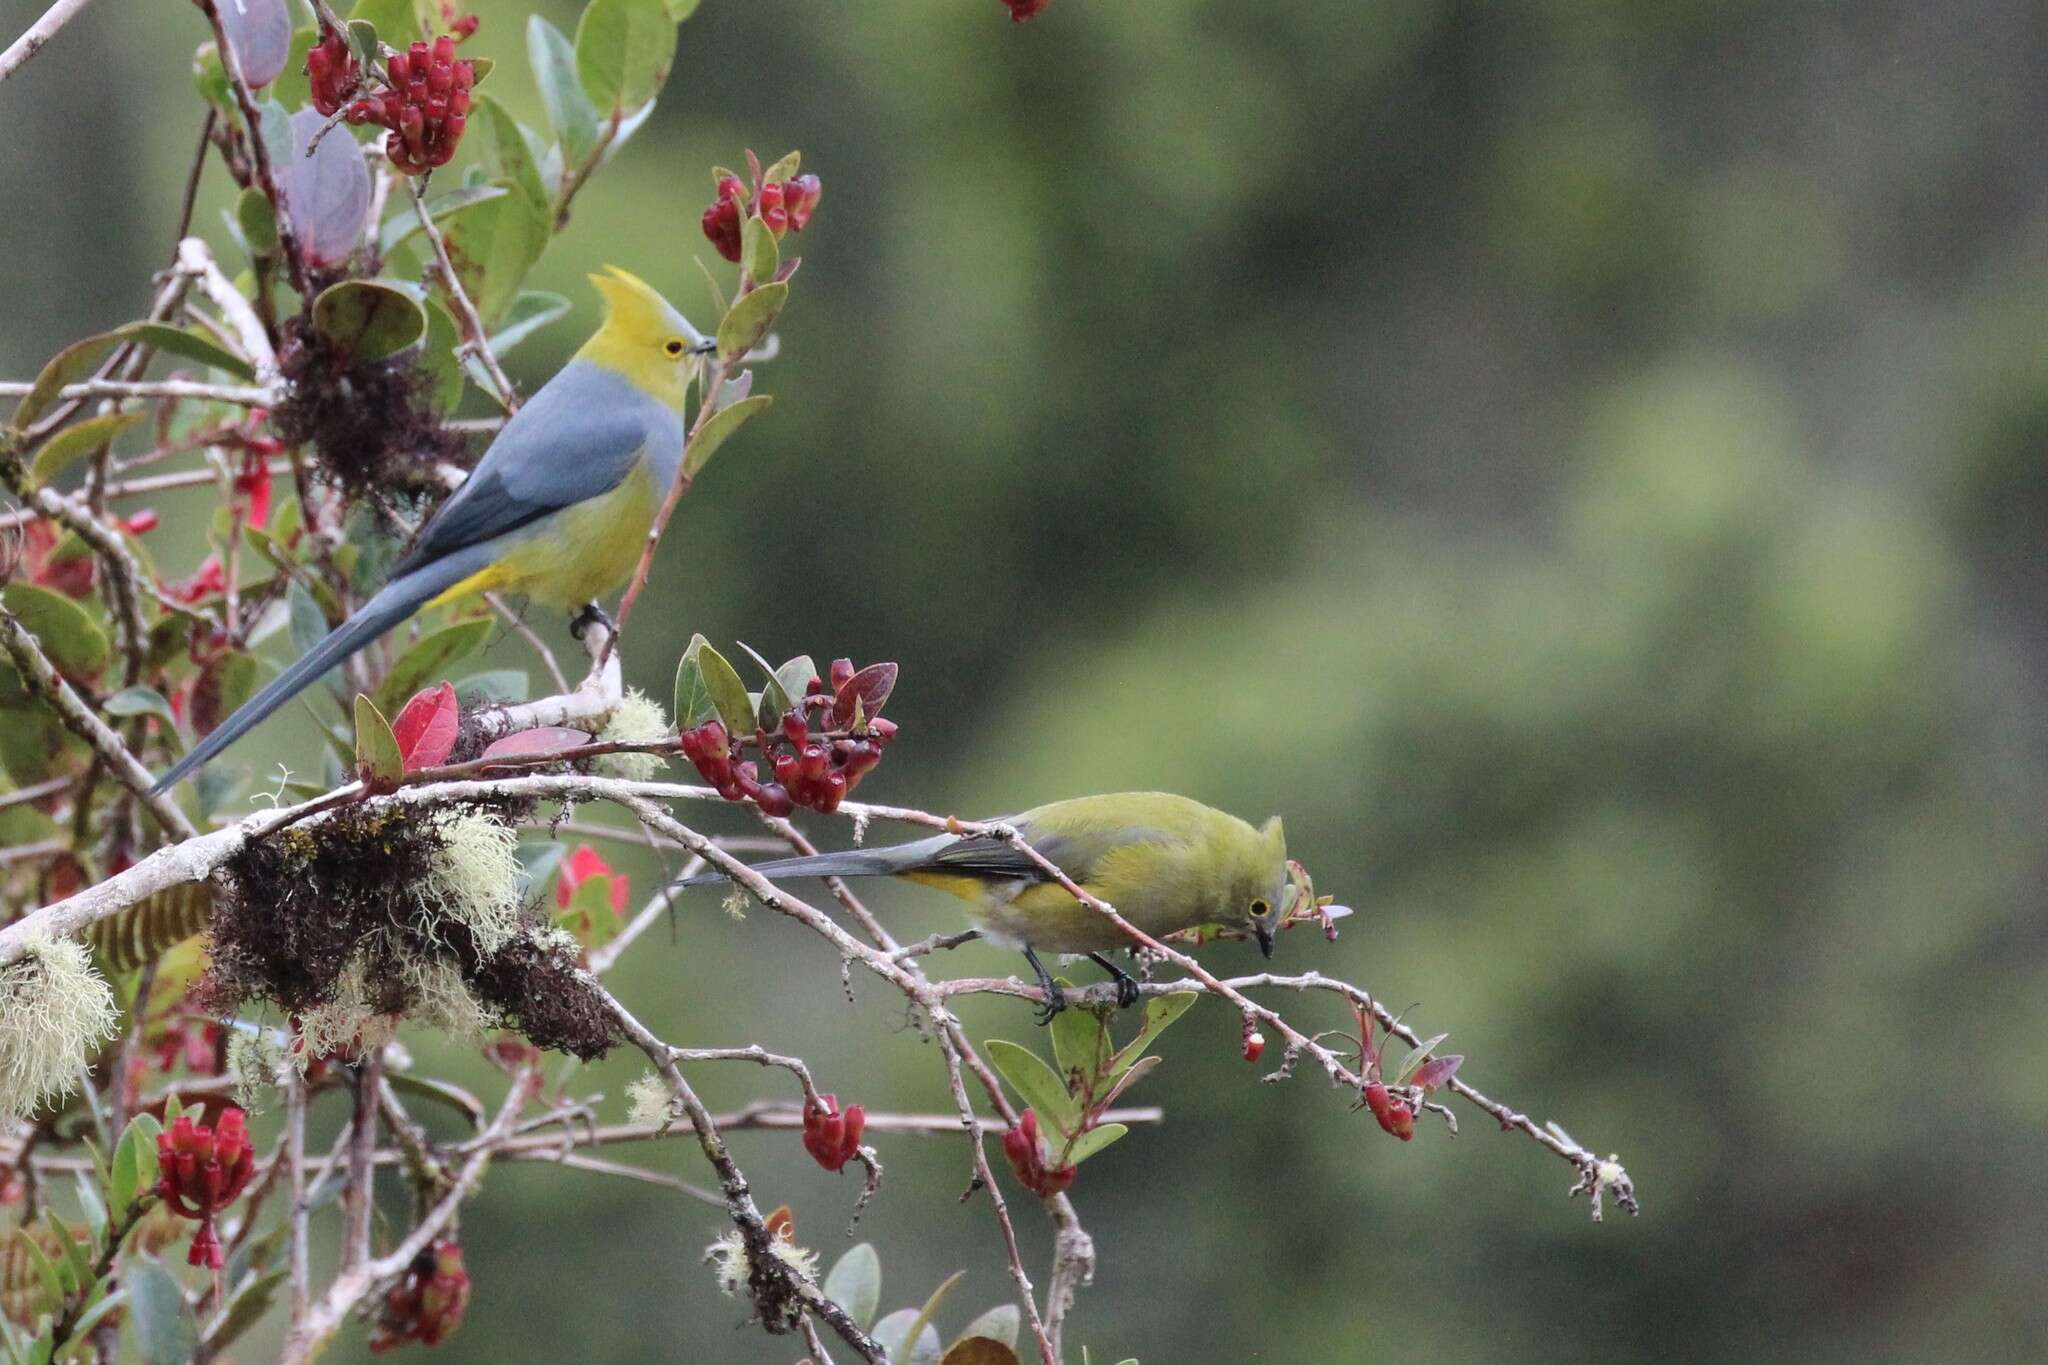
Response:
column 1260, row 909
column 674, row 345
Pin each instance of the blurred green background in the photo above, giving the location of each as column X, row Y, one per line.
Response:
column 1580, row 461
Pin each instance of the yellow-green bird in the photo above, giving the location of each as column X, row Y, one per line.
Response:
column 1165, row 862
column 559, row 507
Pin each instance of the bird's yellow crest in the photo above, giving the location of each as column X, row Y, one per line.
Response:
column 643, row 337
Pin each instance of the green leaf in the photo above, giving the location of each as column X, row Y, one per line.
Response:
column 398, row 22
column 1160, row 1011
column 773, row 700
column 144, row 701
column 720, row 428
column 1093, row 1141
column 1000, row 1323
column 679, row 10
column 368, row 319
column 624, row 49
column 441, row 209
column 77, row 1267
column 46, row 1269
column 164, row 1330
column 783, row 169
column 571, row 115
column 1036, row 1083
column 506, row 685
column 452, row 1097
column 749, row 319
column 506, row 149
column 308, row 621
column 80, row 439
column 531, row 311
column 190, row 345
column 493, row 245
column 922, row 1323
column 69, row 365
column 210, row 79
column 378, row 761
column 246, row 1306
column 426, row 661
column 693, row 699
column 74, row 642
column 362, row 36
column 855, row 1283
column 795, row 675
column 892, row 1334
column 589, row 914
column 980, row 1350
column 1081, row 1042
column 93, row 1316
column 759, row 255
column 438, row 358
column 257, row 220
column 728, row 694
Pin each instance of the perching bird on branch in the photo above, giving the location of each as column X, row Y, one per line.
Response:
column 559, row 507
column 1164, row 862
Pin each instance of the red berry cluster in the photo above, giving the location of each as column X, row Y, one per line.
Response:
column 784, row 205
column 815, row 771
column 333, row 71
column 1027, row 1158
column 427, row 1303
column 425, row 108
column 1022, row 11
column 202, row 1170
column 832, row 1135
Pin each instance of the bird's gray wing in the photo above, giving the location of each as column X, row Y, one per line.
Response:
column 1073, row 853
column 574, row 440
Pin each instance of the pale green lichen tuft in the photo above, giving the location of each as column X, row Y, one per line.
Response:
column 54, row 1008
column 638, row 719
column 649, row 1101
column 475, row 880
column 254, row 1060
column 348, row 1023
column 735, row 902
column 441, row 999
column 727, row 1258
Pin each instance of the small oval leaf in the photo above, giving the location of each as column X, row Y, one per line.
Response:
column 378, row 762
column 368, row 320
column 326, row 189
column 748, row 320
column 260, row 31
column 719, row 430
column 545, row 739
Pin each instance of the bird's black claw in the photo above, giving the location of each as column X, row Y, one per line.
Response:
column 1055, row 1001
column 1126, row 991
column 591, row 615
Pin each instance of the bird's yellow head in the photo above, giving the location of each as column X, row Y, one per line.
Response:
column 643, row 337
column 1266, row 895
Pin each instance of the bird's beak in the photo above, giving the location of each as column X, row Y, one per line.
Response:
column 1262, row 930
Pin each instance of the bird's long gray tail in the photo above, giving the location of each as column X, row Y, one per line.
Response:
column 857, row 862
column 398, row 600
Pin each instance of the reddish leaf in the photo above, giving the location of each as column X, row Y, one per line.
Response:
column 1436, row 1071
column 578, row 868
column 872, row 685
column 547, row 739
column 426, row 726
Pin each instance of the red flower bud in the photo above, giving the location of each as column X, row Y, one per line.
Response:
column 722, row 227
column 426, row 1305
column 771, row 209
column 142, row 523
column 832, row 1135
column 1397, row 1116
column 201, row 1171
column 332, row 71
column 1027, row 1159
column 842, row 670
column 800, row 196
column 1254, row 1041
column 1022, row 11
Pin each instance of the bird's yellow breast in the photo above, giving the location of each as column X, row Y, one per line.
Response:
column 577, row 555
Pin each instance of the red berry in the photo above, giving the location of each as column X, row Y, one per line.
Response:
column 800, row 197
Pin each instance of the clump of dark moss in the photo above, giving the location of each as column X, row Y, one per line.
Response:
column 541, row 990
column 337, row 917
column 373, row 428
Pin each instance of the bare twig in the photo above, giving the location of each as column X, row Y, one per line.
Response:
column 475, row 340
column 39, row 33
column 40, row 676
column 244, row 395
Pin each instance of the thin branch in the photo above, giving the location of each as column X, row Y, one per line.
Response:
column 40, row 676
column 776, row 1287
column 38, row 34
column 243, row 395
column 196, row 260
column 474, row 339
column 259, row 150
column 517, row 624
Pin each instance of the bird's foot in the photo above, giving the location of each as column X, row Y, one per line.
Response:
column 1055, row 998
column 591, row 615
column 1126, row 984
